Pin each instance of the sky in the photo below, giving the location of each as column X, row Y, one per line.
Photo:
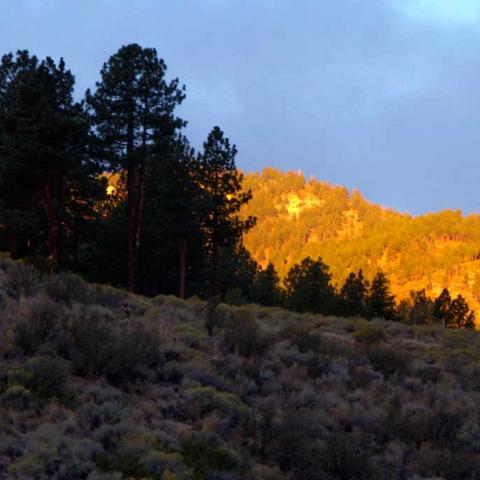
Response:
column 378, row 95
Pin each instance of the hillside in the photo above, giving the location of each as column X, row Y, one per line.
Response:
column 98, row 384
column 299, row 218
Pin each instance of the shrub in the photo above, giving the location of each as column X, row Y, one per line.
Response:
column 205, row 456
column 165, row 465
column 52, row 454
column 38, row 324
column 388, row 360
column 369, row 334
column 308, row 342
column 68, row 288
column 242, row 332
column 90, row 330
column 16, row 397
column 47, row 377
column 132, row 354
column 21, row 280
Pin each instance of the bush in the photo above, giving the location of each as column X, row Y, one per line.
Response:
column 16, row 397
column 39, row 324
column 47, row 377
column 205, row 456
column 369, row 334
column 388, row 360
column 21, row 281
column 132, row 354
column 242, row 332
column 68, row 288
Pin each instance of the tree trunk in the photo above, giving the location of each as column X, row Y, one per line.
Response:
column 13, row 246
column 182, row 267
column 132, row 261
column 47, row 204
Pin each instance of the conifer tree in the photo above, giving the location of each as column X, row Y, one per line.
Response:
column 174, row 207
column 380, row 302
column 459, row 315
column 222, row 183
column 44, row 137
column 441, row 307
column 309, row 289
column 267, row 287
column 421, row 311
column 132, row 106
column 354, row 295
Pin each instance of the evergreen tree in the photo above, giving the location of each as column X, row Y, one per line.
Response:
column 44, row 138
column 309, row 289
column 174, row 207
column 380, row 302
column 267, row 287
column 133, row 105
column 222, row 183
column 353, row 295
column 459, row 315
column 442, row 306
column 421, row 311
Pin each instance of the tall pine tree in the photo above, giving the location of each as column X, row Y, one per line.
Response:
column 381, row 303
column 44, row 137
column 133, row 105
column 222, row 182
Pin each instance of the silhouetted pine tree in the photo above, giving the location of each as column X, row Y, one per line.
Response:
column 380, row 302
column 353, row 295
column 267, row 287
column 441, row 307
column 421, row 310
column 459, row 314
column 222, row 227
column 309, row 289
column 132, row 106
column 44, row 138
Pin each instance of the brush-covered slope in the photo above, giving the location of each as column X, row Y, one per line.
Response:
column 299, row 218
column 98, row 384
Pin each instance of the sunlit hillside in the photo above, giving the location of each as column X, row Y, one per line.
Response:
column 299, row 217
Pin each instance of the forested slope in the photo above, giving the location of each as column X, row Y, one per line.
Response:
column 99, row 384
column 297, row 218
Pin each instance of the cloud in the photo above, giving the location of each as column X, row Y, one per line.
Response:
column 446, row 13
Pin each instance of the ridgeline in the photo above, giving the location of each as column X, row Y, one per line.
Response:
column 297, row 218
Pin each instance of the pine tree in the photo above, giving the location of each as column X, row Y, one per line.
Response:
column 133, row 105
column 459, row 315
column 380, row 302
column 267, row 287
column 222, row 182
column 174, row 208
column 44, row 138
column 442, row 306
column 353, row 295
column 309, row 289
column 421, row 311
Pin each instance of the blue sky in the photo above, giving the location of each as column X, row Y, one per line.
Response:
column 379, row 95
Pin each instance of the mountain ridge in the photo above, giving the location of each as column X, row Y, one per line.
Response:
column 299, row 217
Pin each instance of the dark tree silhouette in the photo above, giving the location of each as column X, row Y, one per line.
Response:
column 380, row 302
column 44, row 138
column 309, row 289
column 222, row 183
column 353, row 295
column 133, row 105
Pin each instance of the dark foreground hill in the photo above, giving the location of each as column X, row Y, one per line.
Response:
column 99, row 384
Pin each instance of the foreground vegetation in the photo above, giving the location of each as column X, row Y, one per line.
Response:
column 96, row 383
